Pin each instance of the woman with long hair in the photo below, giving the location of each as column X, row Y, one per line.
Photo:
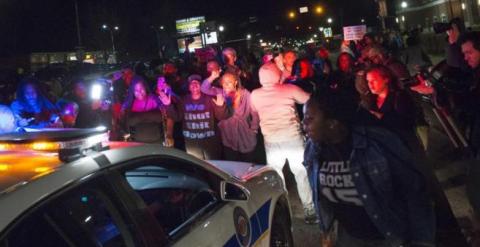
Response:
column 32, row 109
column 392, row 107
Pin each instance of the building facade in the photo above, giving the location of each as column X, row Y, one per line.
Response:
column 423, row 13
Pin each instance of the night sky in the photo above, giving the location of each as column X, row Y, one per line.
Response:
column 49, row 25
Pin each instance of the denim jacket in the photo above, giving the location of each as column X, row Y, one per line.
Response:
column 393, row 192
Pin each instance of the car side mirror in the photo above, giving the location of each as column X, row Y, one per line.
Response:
column 233, row 192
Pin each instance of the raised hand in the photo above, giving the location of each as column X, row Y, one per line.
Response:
column 220, row 100
column 22, row 122
column 214, row 75
column 166, row 99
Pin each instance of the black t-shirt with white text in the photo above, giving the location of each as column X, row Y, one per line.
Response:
column 337, row 186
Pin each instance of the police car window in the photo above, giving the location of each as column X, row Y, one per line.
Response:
column 173, row 197
column 83, row 217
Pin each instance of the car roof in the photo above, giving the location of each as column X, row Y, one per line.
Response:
column 22, row 167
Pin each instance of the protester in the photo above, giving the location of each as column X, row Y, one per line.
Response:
column 379, row 56
column 322, row 66
column 346, row 48
column 163, row 87
column 200, row 113
column 304, row 76
column 289, row 58
column 90, row 113
column 231, row 65
column 178, row 85
column 213, row 69
column 7, row 120
column 342, row 80
column 32, row 109
column 144, row 115
column 121, row 83
column 280, row 124
column 365, row 179
column 230, row 58
column 369, row 40
column 239, row 131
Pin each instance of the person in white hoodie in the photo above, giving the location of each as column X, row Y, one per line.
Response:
column 281, row 129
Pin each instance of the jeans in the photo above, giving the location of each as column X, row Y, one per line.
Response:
column 207, row 149
column 278, row 153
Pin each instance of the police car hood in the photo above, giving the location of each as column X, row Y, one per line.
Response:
column 240, row 170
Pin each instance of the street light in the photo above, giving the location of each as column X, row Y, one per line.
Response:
column 249, row 36
column 291, row 15
column 362, row 20
column 404, row 4
column 319, row 10
column 221, row 28
column 329, row 20
column 107, row 28
column 162, row 27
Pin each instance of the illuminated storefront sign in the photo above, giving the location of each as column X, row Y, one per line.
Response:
column 189, row 26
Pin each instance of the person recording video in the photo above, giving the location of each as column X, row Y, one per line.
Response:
column 454, row 29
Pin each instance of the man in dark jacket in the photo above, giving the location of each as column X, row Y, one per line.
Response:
column 470, row 44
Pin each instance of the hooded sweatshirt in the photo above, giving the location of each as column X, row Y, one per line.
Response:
column 275, row 104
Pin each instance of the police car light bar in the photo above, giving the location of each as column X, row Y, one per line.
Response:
column 70, row 144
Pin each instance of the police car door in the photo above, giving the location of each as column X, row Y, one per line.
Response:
column 185, row 202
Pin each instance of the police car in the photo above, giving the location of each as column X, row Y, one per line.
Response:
column 74, row 188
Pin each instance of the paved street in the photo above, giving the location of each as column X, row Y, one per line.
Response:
column 304, row 235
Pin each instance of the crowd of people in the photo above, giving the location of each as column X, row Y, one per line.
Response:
column 351, row 131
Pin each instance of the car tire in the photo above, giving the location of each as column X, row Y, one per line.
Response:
column 281, row 234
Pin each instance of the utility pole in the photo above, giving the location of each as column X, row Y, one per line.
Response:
column 80, row 49
column 77, row 17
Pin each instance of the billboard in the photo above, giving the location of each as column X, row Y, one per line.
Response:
column 189, row 26
column 196, row 44
column 210, row 38
column 303, row 10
